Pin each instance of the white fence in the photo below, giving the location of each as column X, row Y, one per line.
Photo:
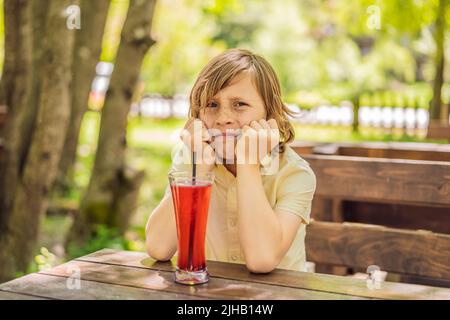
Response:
column 156, row 106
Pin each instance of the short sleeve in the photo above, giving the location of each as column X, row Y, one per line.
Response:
column 295, row 191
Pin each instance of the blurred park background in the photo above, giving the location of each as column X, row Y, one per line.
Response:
column 94, row 93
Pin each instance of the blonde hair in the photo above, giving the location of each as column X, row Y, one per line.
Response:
column 219, row 71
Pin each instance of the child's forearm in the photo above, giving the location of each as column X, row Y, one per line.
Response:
column 161, row 232
column 259, row 228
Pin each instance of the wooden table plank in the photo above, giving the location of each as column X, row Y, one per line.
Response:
column 279, row 277
column 111, row 274
column 55, row 287
column 163, row 281
column 5, row 295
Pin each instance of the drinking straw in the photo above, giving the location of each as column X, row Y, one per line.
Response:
column 194, row 167
column 191, row 233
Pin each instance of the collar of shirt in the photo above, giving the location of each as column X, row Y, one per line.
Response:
column 225, row 177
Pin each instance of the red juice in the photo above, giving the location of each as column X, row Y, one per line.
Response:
column 191, row 204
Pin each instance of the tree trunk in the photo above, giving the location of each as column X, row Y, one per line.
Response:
column 86, row 54
column 436, row 102
column 20, row 232
column 356, row 105
column 113, row 187
column 40, row 9
column 15, row 89
column 20, row 89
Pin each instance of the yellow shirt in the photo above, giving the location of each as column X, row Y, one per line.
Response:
column 290, row 189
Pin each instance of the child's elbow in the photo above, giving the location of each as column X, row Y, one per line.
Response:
column 261, row 265
column 158, row 253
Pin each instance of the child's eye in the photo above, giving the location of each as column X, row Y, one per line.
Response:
column 212, row 105
column 240, row 104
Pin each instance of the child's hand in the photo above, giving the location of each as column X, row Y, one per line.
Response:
column 256, row 141
column 196, row 137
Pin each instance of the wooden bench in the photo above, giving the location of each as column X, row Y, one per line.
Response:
column 421, row 256
column 438, row 130
column 390, row 213
column 390, row 150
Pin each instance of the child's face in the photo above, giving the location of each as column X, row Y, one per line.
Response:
column 230, row 109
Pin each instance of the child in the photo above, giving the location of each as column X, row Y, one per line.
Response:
column 255, row 217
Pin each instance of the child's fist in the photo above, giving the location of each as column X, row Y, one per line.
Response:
column 257, row 140
column 196, row 137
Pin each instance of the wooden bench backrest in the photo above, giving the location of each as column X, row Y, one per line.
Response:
column 403, row 181
column 418, row 253
column 409, row 252
column 390, row 150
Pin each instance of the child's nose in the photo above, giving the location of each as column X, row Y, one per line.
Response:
column 224, row 118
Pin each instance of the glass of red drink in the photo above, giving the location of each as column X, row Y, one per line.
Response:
column 190, row 197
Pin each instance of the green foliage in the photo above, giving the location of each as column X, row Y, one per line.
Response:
column 397, row 16
column 104, row 238
column 313, row 45
column 235, row 22
column 318, row 48
column 182, row 47
column 45, row 260
column 42, row 261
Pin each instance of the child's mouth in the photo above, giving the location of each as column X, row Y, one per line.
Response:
column 227, row 134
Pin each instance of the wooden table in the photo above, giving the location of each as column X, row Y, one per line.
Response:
column 112, row 274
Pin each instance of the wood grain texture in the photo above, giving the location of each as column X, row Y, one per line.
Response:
column 391, row 150
column 402, row 216
column 437, row 130
column 162, row 281
column 56, row 287
column 279, row 277
column 5, row 295
column 365, row 174
column 112, row 274
column 395, row 153
column 405, row 181
column 360, row 245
